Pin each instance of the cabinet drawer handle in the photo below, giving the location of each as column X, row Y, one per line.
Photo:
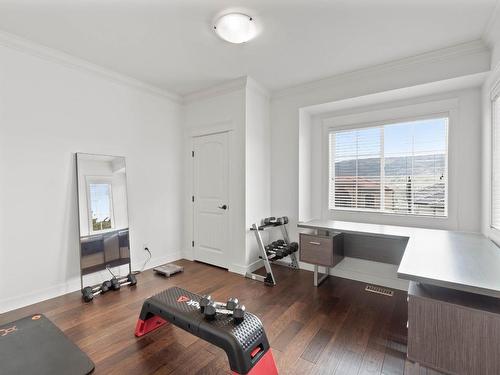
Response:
column 315, row 243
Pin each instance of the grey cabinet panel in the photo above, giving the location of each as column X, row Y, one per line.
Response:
column 386, row 250
column 456, row 335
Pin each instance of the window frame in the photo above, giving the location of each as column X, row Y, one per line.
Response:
column 330, row 125
column 105, row 180
column 494, row 96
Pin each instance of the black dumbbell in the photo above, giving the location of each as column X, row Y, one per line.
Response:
column 239, row 313
column 281, row 252
column 277, row 256
column 280, row 244
column 269, row 220
column 204, row 302
column 282, row 220
column 105, row 286
column 115, row 283
column 133, row 280
column 232, row 303
column 88, row 293
column 210, row 310
column 294, row 247
column 130, row 280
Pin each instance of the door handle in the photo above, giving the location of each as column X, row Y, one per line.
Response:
column 223, row 207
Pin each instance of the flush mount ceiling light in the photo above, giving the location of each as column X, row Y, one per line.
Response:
column 235, row 27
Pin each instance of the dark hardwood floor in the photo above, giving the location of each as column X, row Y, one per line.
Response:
column 337, row 328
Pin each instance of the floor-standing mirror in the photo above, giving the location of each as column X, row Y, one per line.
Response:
column 103, row 216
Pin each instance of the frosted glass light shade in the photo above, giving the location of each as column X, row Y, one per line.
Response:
column 235, row 28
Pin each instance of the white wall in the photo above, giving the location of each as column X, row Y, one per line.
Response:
column 49, row 111
column 464, row 156
column 306, row 178
column 493, row 37
column 258, row 164
column 491, row 84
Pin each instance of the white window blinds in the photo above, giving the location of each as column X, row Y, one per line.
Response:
column 399, row 168
column 495, row 170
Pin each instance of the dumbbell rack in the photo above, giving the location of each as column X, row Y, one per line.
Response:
column 269, row 278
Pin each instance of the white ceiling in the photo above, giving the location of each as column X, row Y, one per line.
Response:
column 170, row 43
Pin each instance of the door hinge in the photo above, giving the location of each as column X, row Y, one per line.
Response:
column 192, row 243
column 192, row 198
column 192, row 154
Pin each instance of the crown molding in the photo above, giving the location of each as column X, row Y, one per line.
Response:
column 220, row 89
column 226, row 88
column 456, row 51
column 38, row 50
column 252, row 84
column 35, row 49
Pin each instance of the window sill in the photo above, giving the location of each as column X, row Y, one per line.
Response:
column 385, row 214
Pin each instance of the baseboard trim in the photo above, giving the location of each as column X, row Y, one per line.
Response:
column 73, row 284
column 255, row 265
column 366, row 271
column 237, row 268
column 188, row 254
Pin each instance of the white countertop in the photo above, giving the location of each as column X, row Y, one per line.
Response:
column 458, row 260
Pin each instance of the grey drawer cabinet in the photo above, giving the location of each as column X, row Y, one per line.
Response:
column 320, row 250
column 453, row 332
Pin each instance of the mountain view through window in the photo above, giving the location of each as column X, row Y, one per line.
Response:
column 399, row 168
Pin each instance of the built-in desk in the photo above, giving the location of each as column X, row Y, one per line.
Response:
column 463, row 261
column 454, row 295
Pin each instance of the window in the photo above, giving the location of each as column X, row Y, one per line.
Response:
column 397, row 168
column 495, row 170
column 100, row 206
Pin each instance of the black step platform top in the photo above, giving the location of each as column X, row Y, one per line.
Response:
column 181, row 308
column 186, row 306
column 34, row 345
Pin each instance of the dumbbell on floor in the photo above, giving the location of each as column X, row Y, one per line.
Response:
column 88, row 293
column 129, row 280
column 117, row 283
column 105, row 286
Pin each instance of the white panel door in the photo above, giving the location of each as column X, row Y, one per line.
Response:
column 211, row 199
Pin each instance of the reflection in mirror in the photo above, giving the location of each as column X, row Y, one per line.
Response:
column 103, row 216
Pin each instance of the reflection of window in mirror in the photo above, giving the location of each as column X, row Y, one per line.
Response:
column 100, row 207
